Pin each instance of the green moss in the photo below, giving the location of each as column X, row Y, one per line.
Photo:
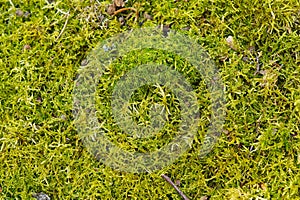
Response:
column 258, row 155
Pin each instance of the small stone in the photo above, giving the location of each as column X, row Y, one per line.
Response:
column 246, row 59
column 122, row 21
column 229, row 39
column 19, row 13
column 26, row 14
column 63, row 117
column 84, row 62
column 27, row 47
column 41, row 196
column 230, row 42
column 101, row 17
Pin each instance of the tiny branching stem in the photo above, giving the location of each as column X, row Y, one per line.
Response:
column 174, row 186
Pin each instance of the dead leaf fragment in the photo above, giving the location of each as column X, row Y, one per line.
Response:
column 119, row 3
column 111, row 9
column 147, row 16
column 204, row 198
column 263, row 186
column 187, row 28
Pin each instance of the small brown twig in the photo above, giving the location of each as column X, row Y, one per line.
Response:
column 174, row 186
column 124, row 9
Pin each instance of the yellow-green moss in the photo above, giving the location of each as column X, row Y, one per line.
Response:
column 258, row 155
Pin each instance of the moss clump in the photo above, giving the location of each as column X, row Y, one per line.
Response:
column 43, row 44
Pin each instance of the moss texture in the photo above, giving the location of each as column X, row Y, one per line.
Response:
column 255, row 44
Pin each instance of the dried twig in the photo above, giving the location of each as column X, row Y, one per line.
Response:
column 174, row 186
column 124, row 9
column 65, row 25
